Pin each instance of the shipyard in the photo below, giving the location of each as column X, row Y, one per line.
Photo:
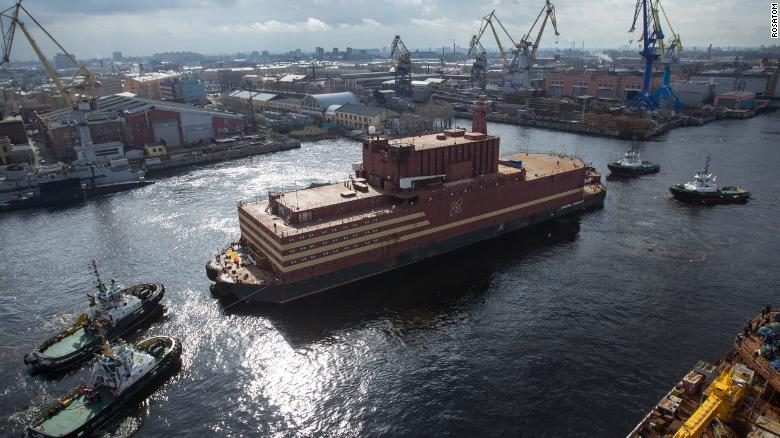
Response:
column 537, row 218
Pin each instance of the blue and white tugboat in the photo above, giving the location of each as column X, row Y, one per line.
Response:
column 114, row 312
column 124, row 374
column 632, row 165
column 703, row 189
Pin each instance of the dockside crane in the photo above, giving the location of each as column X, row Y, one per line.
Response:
column 403, row 67
column 651, row 35
column 479, row 67
column 487, row 21
column 76, row 95
column 524, row 55
column 664, row 94
column 11, row 20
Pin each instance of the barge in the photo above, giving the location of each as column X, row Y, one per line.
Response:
column 410, row 199
column 737, row 396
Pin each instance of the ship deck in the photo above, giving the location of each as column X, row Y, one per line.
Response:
column 432, row 141
column 246, row 274
column 75, row 414
column 759, row 407
column 69, row 343
column 752, row 343
column 277, row 225
column 537, row 165
column 330, row 194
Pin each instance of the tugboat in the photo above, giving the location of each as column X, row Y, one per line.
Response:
column 122, row 375
column 702, row 188
column 632, row 165
column 114, row 312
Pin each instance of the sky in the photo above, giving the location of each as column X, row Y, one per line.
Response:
column 95, row 28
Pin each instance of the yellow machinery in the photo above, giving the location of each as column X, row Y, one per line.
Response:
column 724, row 396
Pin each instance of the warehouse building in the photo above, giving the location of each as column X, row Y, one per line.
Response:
column 317, row 104
column 614, row 84
column 736, row 100
column 358, row 116
column 136, row 122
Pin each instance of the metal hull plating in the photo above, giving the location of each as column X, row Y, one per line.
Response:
column 69, row 195
column 283, row 293
column 646, row 168
column 719, row 197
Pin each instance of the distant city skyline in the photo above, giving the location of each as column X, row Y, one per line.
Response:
column 94, row 28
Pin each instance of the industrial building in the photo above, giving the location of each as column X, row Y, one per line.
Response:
column 148, row 85
column 15, row 153
column 736, row 100
column 755, row 81
column 185, row 89
column 15, row 146
column 317, row 104
column 603, row 85
column 62, row 62
column 357, row 116
column 694, row 94
column 13, row 128
column 136, row 122
column 109, row 84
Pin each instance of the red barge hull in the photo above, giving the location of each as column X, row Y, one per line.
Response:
column 410, row 199
column 283, row 293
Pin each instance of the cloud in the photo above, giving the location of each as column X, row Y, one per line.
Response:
column 272, row 26
column 365, row 24
column 143, row 27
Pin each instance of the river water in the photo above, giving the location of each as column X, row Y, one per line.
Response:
column 574, row 328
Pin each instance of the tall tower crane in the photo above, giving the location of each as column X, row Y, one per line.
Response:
column 479, row 67
column 651, row 34
column 403, row 67
column 75, row 95
column 524, row 54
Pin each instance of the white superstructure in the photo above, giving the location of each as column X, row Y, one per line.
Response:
column 120, row 367
column 112, row 305
column 702, row 182
column 630, row 159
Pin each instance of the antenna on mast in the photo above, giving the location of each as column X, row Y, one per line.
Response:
column 99, row 283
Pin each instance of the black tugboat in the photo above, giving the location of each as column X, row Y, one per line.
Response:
column 632, row 165
column 114, row 313
column 703, row 189
column 124, row 374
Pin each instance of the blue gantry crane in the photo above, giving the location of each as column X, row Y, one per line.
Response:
column 653, row 48
column 651, row 34
column 664, row 94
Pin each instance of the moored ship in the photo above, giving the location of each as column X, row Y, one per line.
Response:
column 409, row 200
column 738, row 396
column 23, row 186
